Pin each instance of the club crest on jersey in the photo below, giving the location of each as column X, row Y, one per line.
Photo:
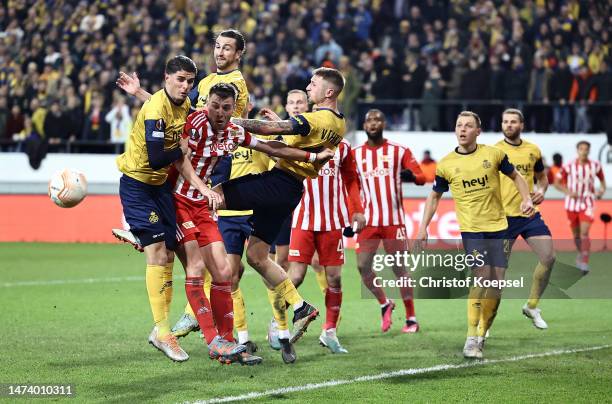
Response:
column 531, row 157
column 486, row 164
column 153, row 218
column 194, row 135
column 457, row 170
column 160, row 125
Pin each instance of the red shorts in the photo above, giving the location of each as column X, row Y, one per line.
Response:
column 328, row 244
column 194, row 222
column 575, row 218
column 393, row 239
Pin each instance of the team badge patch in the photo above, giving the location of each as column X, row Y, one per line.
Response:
column 194, row 135
column 486, row 164
column 153, row 218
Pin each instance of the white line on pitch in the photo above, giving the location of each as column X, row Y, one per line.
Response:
column 397, row 373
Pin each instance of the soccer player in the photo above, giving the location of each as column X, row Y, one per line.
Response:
column 471, row 172
column 273, row 195
column 526, row 158
column 153, row 146
column 211, row 137
column 234, row 225
column 577, row 181
column 382, row 166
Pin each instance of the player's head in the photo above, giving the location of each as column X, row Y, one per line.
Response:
column 558, row 159
column 583, row 148
column 179, row 77
column 326, row 83
column 513, row 123
column 221, row 104
column 297, row 102
column 374, row 124
column 229, row 47
column 467, row 128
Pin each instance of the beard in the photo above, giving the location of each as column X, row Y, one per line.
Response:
column 374, row 135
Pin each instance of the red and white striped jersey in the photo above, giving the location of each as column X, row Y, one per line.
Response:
column 206, row 148
column 324, row 203
column 379, row 172
column 580, row 179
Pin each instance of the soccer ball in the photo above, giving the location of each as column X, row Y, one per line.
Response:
column 67, row 188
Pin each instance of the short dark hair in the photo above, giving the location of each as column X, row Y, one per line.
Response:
column 516, row 112
column 223, row 91
column 236, row 35
column 332, row 76
column 473, row 115
column 181, row 62
column 376, row 111
column 583, row 142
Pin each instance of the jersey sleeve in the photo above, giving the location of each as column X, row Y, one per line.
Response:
column 505, row 166
column 243, row 97
column 155, row 132
column 410, row 163
column 350, row 178
column 247, row 140
column 441, row 184
column 600, row 173
column 539, row 164
column 301, row 124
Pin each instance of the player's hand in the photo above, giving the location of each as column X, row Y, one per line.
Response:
column 128, row 83
column 600, row 193
column 527, row 207
column 537, row 197
column 214, row 199
column 269, row 114
column 419, row 241
column 325, row 155
column 359, row 222
column 184, row 145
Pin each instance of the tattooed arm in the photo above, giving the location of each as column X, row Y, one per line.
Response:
column 265, row 127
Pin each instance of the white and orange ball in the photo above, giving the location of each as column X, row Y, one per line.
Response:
column 67, row 188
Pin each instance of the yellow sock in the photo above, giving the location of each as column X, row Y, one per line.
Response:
column 168, row 286
column 489, row 306
column 541, row 274
column 473, row 310
column 157, row 298
column 321, row 280
column 287, row 290
column 207, row 285
column 279, row 309
column 240, row 323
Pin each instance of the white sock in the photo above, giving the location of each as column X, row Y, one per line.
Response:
column 298, row 305
column 412, row 318
column 384, row 304
column 284, row 334
column 243, row 336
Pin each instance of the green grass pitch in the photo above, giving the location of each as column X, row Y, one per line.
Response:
column 78, row 313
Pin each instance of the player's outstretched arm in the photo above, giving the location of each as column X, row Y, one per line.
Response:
column 265, row 127
column 131, row 85
column 279, row 149
column 523, row 188
column 431, row 205
column 184, row 167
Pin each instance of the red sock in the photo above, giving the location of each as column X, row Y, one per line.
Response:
column 409, row 305
column 333, row 301
column 368, row 281
column 585, row 246
column 223, row 308
column 194, row 288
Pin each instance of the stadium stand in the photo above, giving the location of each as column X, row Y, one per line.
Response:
column 420, row 61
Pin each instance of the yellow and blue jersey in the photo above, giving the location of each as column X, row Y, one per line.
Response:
column 200, row 96
column 527, row 160
column 474, row 182
column 159, row 121
column 314, row 131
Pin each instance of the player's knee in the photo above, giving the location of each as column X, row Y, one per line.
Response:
column 195, row 267
column 256, row 259
column 549, row 260
column 333, row 281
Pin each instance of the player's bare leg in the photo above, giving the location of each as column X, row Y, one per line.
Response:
column 157, row 260
column 364, row 264
column 282, row 257
column 297, row 272
column 543, row 247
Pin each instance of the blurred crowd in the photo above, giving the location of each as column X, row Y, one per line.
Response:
column 59, row 59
